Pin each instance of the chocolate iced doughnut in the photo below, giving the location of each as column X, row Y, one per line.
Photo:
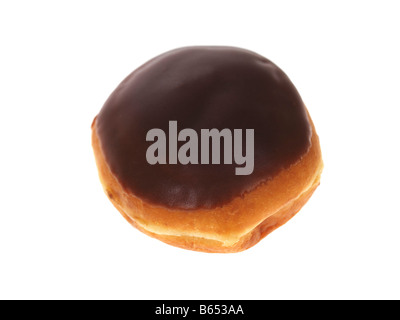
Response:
column 203, row 204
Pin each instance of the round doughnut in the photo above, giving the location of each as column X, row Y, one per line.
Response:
column 207, row 148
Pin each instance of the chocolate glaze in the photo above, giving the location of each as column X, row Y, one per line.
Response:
column 202, row 88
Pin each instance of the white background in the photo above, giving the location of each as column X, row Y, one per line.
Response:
column 60, row 237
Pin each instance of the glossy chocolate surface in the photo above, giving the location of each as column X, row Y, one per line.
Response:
column 202, row 88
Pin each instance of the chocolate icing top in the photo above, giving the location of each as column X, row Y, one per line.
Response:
column 202, row 88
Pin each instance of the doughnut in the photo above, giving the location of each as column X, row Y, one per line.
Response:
column 207, row 148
